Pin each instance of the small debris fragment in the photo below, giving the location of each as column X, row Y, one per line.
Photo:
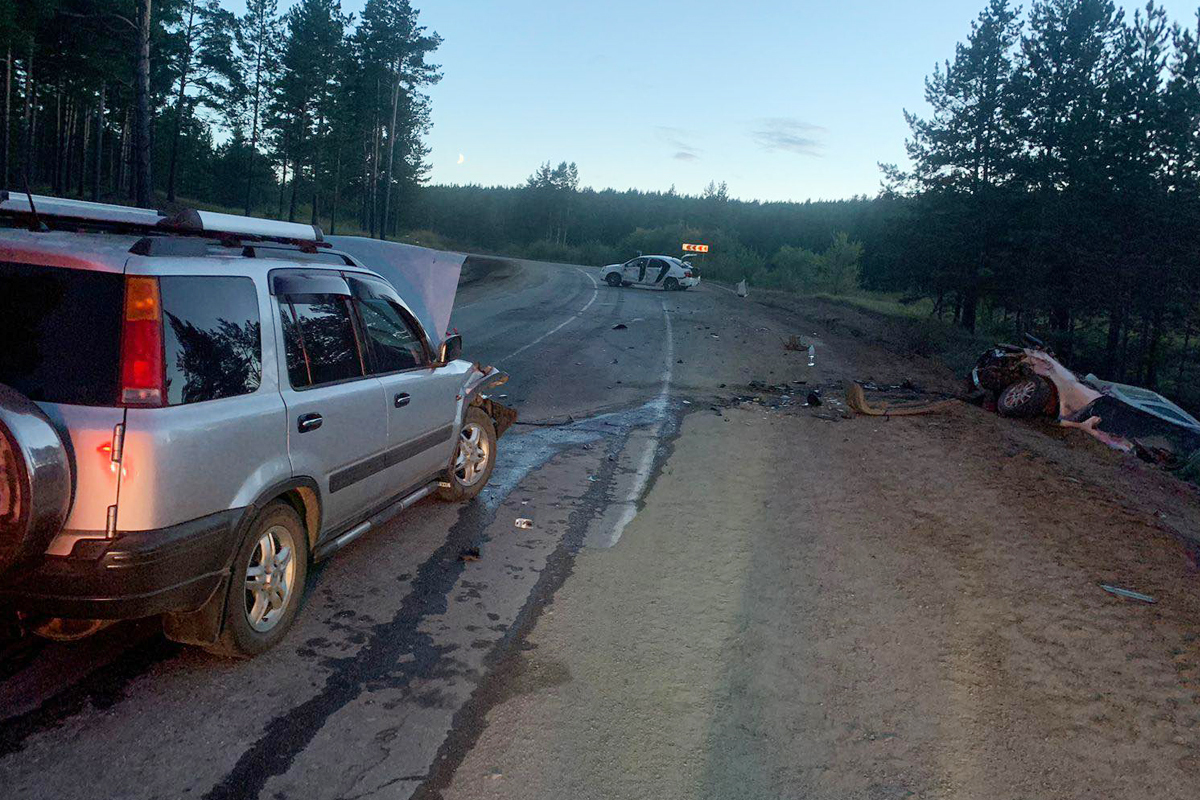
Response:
column 793, row 343
column 523, row 523
column 814, row 399
column 679, row 361
column 469, row 554
column 713, row 335
column 1145, row 598
column 742, row 289
column 620, row 326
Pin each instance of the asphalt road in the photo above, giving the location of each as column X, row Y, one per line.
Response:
column 372, row 691
column 727, row 592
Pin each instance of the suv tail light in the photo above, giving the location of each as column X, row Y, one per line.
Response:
column 142, row 374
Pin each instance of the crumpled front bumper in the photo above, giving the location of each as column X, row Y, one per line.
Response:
column 485, row 378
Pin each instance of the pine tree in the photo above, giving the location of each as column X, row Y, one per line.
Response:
column 259, row 34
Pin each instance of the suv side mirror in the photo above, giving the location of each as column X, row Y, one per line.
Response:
column 451, row 349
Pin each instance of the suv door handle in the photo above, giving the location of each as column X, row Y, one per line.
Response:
column 308, row 422
column 402, row 400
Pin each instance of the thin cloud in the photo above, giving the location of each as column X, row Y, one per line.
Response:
column 678, row 140
column 789, row 135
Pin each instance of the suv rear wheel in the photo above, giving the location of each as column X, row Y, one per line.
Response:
column 269, row 572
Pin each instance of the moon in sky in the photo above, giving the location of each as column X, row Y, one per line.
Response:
column 461, row 158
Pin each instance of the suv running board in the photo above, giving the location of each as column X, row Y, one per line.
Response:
column 327, row 549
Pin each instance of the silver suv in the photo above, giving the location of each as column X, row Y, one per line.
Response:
column 194, row 409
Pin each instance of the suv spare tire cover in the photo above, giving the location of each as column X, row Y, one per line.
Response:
column 35, row 479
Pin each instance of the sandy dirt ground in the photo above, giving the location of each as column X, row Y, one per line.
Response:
column 865, row 608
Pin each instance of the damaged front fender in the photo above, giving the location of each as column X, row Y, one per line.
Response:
column 482, row 379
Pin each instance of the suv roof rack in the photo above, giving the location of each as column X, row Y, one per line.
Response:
column 230, row 228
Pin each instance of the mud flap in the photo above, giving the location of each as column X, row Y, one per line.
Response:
column 202, row 626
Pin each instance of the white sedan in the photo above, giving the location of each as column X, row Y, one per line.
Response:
column 666, row 272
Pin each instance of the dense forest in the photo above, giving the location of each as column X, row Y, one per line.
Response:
column 309, row 113
column 1053, row 182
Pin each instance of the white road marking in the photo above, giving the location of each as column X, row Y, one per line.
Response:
column 641, row 475
column 565, row 323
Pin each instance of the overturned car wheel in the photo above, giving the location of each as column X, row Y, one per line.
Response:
column 1027, row 397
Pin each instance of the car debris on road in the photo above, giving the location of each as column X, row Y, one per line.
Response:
column 905, row 405
column 1132, row 595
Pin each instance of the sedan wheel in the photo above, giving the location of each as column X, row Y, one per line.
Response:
column 613, row 279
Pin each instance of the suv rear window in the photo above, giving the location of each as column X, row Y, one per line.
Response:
column 212, row 339
column 60, row 333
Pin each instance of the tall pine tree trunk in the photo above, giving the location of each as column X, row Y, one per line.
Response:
column 316, row 168
column 84, row 140
column 59, row 143
column 337, row 184
column 296, row 163
column 27, row 134
column 123, row 155
column 143, row 182
column 254, row 122
column 4, row 170
column 387, row 188
column 98, row 166
column 181, row 101
column 374, row 217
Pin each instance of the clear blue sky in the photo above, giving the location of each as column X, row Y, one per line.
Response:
column 784, row 100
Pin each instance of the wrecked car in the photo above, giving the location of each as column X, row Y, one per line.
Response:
column 194, row 409
column 666, row 272
column 1030, row 382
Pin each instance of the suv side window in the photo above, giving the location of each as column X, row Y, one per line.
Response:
column 320, row 341
column 394, row 344
column 211, row 338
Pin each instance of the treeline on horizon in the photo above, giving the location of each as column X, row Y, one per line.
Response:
column 1053, row 187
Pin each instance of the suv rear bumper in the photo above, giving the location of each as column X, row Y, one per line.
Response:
column 136, row 574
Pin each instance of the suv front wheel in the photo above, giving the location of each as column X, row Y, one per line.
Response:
column 474, row 459
column 268, row 578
